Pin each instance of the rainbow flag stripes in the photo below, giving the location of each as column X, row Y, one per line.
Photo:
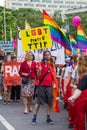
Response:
column 56, row 32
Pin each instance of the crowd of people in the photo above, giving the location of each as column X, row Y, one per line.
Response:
column 48, row 82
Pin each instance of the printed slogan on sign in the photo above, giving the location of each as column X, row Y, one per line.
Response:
column 36, row 38
column 11, row 76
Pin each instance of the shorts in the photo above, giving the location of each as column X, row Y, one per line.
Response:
column 44, row 95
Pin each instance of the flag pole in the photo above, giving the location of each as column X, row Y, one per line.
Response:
column 4, row 22
column 10, row 33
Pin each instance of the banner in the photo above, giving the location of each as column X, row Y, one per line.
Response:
column 20, row 52
column 36, row 38
column 7, row 46
column 56, row 50
column 11, row 75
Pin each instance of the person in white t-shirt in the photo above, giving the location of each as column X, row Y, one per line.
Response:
column 71, row 88
column 64, row 80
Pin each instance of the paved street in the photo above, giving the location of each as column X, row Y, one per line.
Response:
column 13, row 115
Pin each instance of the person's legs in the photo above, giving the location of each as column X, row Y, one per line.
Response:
column 13, row 93
column 71, row 108
column 80, row 105
column 9, row 93
column 48, row 109
column 65, row 95
column 36, row 108
column 49, row 120
column 5, row 95
column 48, row 101
column 18, row 90
column 71, row 115
column 44, row 96
column 0, row 93
column 40, row 100
column 35, row 92
column 30, row 103
column 79, row 121
column 25, row 102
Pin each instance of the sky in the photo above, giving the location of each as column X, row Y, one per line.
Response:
column 1, row 2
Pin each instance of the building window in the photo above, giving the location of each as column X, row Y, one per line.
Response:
column 46, row 1
column 35, row 0
column 30, row 5
column 17, row 4
column 23, row 0
column 52, row 6
column 48, row 10
column 13, row 8
column 13, row 3
column 40, row 5
column 69, row 2
column 60, row 2
column 82, row 3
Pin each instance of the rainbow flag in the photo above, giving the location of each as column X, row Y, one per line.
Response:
column 68, row 52
column 76, row 50
column 27, row 25
column 74, row 45
column 72, row 40
column 84, row 51
column 56, row 32
column 81, row 38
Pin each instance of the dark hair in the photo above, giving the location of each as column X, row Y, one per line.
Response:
column 54, row 57
column 13, row 57
column 6, row 58
column 43, row 60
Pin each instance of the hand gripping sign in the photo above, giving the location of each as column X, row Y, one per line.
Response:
column 36, row 38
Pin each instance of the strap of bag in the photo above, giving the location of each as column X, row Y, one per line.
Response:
column 48, row 71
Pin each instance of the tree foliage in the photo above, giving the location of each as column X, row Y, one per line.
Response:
column 10, row 23
column 33, row 17
column 16, row 18
column 67, row 23
column 58, row 18
column 72, row 30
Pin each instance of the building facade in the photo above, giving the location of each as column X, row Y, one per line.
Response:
column 49, row 5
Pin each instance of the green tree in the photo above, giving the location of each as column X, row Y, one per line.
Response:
column 33, row 17
column 10, row 23
column 16, row 18
column 58, row 18
column 72, row 30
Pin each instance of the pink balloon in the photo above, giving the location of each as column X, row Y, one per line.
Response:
column 76, row 20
